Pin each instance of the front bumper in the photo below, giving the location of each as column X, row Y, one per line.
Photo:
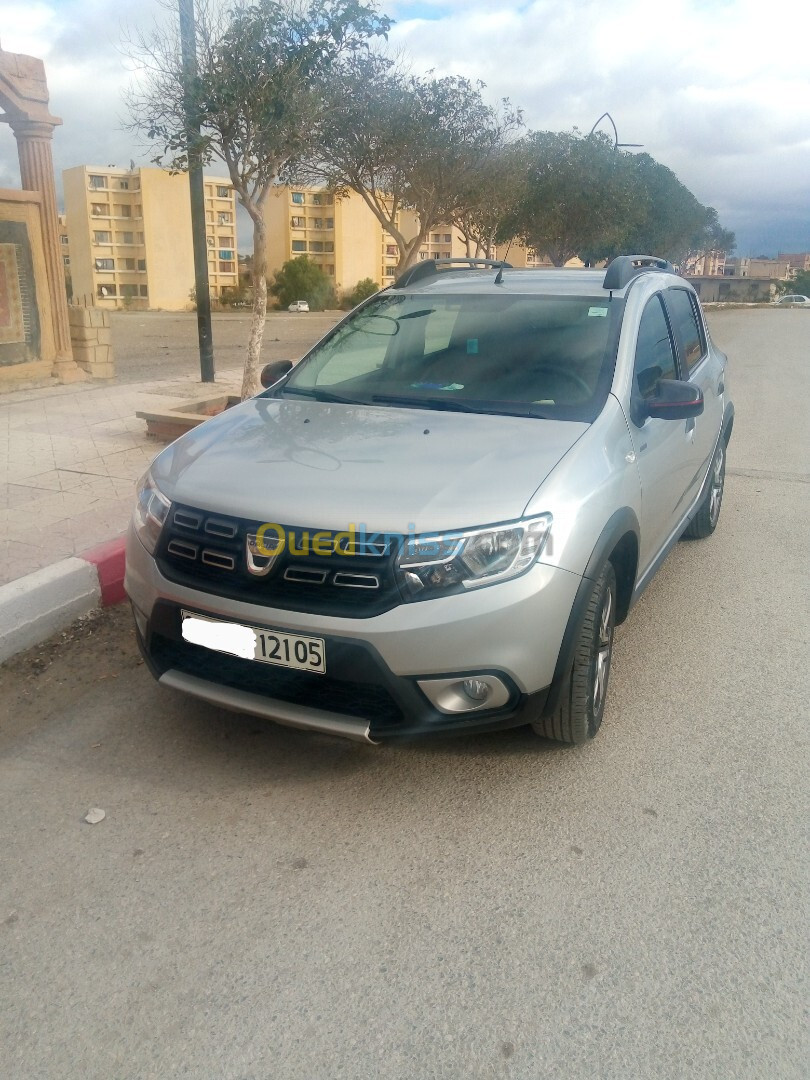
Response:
column 512, row 630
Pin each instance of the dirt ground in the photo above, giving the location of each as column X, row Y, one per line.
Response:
column 162, row 344
column 38, row 683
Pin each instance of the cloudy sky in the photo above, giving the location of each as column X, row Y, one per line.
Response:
column 718, row 90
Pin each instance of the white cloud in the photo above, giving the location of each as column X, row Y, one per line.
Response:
column 719, row 90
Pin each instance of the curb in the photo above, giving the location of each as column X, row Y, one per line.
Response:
column 34, row 607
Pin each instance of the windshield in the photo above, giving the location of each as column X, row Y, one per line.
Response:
column 546, row 356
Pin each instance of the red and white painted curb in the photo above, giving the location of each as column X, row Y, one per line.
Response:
column 34, row 607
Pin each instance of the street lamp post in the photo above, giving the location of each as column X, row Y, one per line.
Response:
column 616, row 144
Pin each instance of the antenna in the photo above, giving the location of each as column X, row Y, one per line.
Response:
column 499, row 275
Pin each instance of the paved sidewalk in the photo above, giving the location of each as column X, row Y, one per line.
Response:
column 69, row 459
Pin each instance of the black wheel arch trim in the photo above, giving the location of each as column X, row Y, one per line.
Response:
column 728, row 422
column 622, row 526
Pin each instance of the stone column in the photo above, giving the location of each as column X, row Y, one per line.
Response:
column 34, row 139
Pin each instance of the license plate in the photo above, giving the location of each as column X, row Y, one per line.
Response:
column 255, row 643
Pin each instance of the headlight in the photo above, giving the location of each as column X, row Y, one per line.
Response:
column 151, row 510
column 454, row 562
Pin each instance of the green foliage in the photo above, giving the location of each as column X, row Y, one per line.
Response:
column 800, row 285
column 582, row 196
column 303, row 279
column 362, row 291
column 574, row 196
column 405, row 142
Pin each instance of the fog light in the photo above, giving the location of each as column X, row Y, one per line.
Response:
column 466, row 695
column 476, row 689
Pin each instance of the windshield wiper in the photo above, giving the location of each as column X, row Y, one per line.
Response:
column 446, row 404
column 319, row 394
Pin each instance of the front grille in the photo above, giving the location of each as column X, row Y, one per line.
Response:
column 209, row 552
column 369, row 701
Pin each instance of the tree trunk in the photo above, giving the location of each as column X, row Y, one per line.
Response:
column 250, row 380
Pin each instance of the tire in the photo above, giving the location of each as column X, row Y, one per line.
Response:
column 582, row 697
column 705, row 520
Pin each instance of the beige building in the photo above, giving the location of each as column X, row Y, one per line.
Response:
column 347, row 241
column 130, row 236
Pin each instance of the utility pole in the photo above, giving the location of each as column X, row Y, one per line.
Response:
column 188, row 46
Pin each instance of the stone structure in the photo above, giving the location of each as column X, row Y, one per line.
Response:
column 24, row 101
column 90, row 338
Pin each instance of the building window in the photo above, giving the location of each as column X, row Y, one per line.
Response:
column 226, row 254
column 298, row 222
column 299, row 245
column 317, row 223
column 105, row 264
column 390, row 249
column 98, row 209
column 66, row 260
column 126, row 238
column 126, row 264
column 226, row 268
column 97, row 182
column 123, row 210
column 142, row 264
column 143, row 290
column 317, row 200
column 223, row 192
column 140, row 237
column 435, row 238
column 105, row 290
column 330, row 223
column 329, row 245
column 329, row 200
column 123, row 185
column 390, row 271
column 330, row 269
column 138, row 210
column 317, row 246
column 448, row 239
column 210, row 241
column 298, row 198
column 129, row 290
column 422, row 255
column 102, row 237
column 224, row 218
column 63, row 238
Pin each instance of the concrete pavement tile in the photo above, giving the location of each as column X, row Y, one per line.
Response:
column 47, row 480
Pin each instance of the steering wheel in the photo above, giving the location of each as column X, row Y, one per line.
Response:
column 567, row 374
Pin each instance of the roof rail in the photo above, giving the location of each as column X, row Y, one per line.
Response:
column 625, row 267
column 432, row 267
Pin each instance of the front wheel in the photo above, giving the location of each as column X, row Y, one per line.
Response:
column 582, row 696
column 705, row 520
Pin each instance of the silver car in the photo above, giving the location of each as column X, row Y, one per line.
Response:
column 434, row 521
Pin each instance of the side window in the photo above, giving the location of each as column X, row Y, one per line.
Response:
column 655, row 357
column 686, row 324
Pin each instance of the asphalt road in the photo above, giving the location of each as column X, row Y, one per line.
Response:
column 163, row 344
column 260, row 903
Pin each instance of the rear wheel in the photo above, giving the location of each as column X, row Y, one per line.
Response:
column 705, row 520
column 582, row 697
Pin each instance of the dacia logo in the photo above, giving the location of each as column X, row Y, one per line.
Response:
column 261, row 552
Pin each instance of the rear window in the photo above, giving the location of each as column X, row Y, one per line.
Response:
column 686, row 325
column 527, row 355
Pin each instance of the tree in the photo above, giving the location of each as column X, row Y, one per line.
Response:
column 710, row 239
column 665, row 217
column 490, row 196
column 800, row 284
column 405, row 143
column 362, row 291
column 303, row 279
column 574, row 195
column 258, row 96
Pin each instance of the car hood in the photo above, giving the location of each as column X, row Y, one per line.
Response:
column 390, row 469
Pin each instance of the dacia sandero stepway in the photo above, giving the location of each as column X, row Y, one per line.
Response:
column 433, row 522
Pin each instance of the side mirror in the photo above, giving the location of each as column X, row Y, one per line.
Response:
column 271, row 373
column 674, row 400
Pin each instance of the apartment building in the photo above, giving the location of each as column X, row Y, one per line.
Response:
column 347, row 241
column 130, row 236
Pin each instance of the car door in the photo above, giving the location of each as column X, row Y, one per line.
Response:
column 660, row 445
column 701, row 367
